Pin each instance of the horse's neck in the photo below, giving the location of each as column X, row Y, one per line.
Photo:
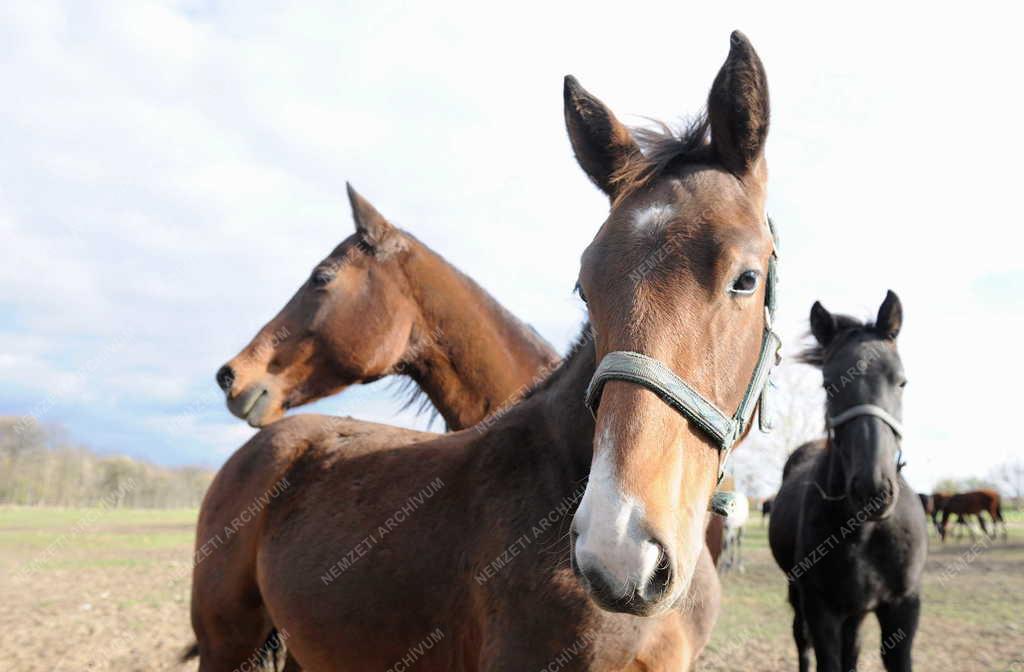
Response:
column 468, row 354
column 833, row 481
column 553, row 429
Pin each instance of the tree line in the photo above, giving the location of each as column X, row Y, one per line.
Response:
column 40, row 466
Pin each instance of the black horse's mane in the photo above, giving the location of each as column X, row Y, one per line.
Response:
column 847, row 327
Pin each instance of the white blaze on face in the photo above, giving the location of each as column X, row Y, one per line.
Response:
column 612, row 539
column 653, row 216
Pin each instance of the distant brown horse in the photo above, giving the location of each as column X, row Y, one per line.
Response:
column 973, row 503
column 472, row 561
column 381, row 304
column 927, row 504
column 938, row 499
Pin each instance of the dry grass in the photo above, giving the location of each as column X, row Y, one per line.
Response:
column 972, row 617
column 108, row 590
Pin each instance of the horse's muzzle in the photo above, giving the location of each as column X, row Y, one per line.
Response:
column 628, row 596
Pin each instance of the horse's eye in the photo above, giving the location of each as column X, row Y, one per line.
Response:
column 321, row 278
column 745, row 283
column 579, row 292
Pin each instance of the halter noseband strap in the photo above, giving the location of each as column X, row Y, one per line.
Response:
column 655, row 376
column 862, row 410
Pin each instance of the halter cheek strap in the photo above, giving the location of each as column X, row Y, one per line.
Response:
column 725, row 430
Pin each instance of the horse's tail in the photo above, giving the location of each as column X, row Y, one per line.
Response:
column 188, row 654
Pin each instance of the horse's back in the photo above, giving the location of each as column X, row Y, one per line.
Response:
column 384, row 496
column 227, row 606
column 802, row 456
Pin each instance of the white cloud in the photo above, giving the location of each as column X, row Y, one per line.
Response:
column 172, row 170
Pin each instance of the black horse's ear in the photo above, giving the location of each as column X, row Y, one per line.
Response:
column 890, row 316
column 370, row 224
column 738, row 107
column 602, row 144
column 823, row 324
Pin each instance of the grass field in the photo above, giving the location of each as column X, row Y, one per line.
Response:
column 972, row 619
column 94, row 589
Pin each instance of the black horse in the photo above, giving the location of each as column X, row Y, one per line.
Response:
column 846, row 528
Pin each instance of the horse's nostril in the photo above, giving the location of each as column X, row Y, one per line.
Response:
column 661, row 579
column 225, row 378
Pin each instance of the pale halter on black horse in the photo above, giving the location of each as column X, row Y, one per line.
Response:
column 726, row 430
column 870, row 410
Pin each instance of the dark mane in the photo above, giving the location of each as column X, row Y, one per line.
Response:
column 578, row 349
column 846, row 327
column 405, row 386
column 663, row 147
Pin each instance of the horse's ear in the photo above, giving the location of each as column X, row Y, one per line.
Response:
column 370, row 224
column 823, row 324
column 601, row 143
column 890, row 316
column 738, row 107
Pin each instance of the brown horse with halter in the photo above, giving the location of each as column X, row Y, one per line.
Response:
column 456, row 524
column 380, row 304
column 973, row 503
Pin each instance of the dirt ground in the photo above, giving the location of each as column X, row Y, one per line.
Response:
column 972, row 617
column 108, row 590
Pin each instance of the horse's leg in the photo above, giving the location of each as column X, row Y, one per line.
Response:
column 226, row 643
column 942, row 526
column 898, row 621
column 851, row 642
column 739, row 550
column 726, row 556
column 984, row 527
column 826, row 634
column 801, row 635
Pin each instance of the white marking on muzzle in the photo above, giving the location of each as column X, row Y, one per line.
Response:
column 612, row 539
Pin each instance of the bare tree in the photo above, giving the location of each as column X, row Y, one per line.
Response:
column 796, row 403
column 1009, row 478
column 40, row 466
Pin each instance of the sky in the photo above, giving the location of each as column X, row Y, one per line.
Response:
column 171, row 171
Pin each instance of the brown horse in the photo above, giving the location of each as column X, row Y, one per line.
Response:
column 938, row 500
column 382, row 303
column 465, row 530
column 973, row 503
column 458, row 368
